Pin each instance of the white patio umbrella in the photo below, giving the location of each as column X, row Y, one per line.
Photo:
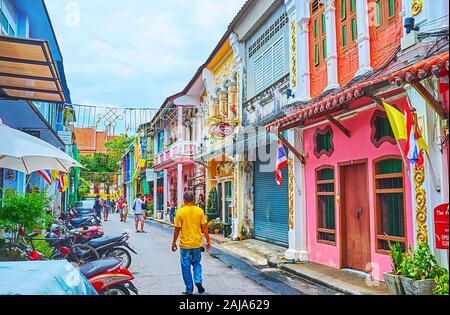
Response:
column 27, row 154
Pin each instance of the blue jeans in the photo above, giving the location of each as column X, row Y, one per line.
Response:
column 191, row 257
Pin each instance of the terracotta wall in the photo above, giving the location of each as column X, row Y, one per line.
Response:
column 385, row 39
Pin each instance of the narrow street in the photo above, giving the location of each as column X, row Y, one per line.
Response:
column 157, row 269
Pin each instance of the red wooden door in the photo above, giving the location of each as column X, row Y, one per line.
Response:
column 355, row 216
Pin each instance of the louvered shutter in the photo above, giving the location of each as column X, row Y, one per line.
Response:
column 278, row 59
column 271, row 207
column 268, row 67
column 259, row 75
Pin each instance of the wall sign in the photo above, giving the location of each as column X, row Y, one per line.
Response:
column 221, row 129
column 66, row 137
column 441, row 226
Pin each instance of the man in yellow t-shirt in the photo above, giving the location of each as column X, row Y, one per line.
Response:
column 190, row 223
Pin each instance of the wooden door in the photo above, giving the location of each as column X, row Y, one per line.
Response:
column 355, row 216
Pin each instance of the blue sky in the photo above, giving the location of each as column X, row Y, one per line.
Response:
column 135, row 53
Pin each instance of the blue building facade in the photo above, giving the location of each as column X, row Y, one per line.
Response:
column 24, row 19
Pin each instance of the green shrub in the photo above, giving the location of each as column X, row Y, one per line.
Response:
column 28, row 210
column 422, row 265
column 441, row 284
column 397, row 256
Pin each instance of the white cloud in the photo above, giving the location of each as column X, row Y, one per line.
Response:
column 138, row 51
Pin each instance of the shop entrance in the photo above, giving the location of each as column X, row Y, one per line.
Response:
column 225, row 200
column 355, row 251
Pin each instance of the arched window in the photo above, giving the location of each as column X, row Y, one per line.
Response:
column 381, row 129
column 389, row 202
column 326, row 200
column 323, row 142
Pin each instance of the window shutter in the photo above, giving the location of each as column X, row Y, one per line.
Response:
column 268, row 66
column 259, row 74
column 278, row 59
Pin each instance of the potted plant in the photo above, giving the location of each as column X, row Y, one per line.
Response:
column 392, row 279
column 441, row 284
column 418, row 271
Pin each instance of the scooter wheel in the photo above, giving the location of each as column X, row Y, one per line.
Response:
column 116, row 290
column 120, row 254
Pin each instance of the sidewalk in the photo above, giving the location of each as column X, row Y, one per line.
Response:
column 261, row 254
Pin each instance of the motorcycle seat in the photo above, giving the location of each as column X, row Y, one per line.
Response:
column 94, row 268
column 78, row 220
column 104, row 240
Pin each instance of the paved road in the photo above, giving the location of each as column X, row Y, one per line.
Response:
column 157, row 269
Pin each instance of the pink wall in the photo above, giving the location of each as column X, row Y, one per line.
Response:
column 358, row 147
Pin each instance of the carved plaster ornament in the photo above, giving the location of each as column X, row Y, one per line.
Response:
column 416, row 7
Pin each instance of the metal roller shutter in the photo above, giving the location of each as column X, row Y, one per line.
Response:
column 271, row 207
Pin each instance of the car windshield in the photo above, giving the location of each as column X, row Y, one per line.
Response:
column 85, row 204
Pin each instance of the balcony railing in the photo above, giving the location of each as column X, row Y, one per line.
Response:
column 178, row 150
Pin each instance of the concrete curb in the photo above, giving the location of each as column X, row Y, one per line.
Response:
column 315, row 280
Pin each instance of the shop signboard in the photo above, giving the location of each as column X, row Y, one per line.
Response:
column 441, row 226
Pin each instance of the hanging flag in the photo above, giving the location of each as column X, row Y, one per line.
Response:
column 415, row 143
column 397, row 121
column 63, row 182
column 282, row 162
column 55, row 175
column 46, row 175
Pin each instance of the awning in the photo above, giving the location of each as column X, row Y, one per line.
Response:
column 332, row 102
column 27, row 71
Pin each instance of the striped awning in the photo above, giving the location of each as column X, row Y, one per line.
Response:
column 28, row 71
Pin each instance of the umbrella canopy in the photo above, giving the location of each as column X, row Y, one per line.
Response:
column 27, row 154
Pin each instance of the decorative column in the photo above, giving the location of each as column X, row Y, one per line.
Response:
column 166, row 193
column 421, row 201
column 223, row 99
column 215, row 106
column 332, row 58
column 290, row 9
column 296, row 205
column 180, row 131
column 232, row 99
column 238, row 53
column 362, row 18
column 180, row 185
column 155, row 195
column 303, row 91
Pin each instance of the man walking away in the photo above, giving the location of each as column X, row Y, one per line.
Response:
column 190, row 223
column 98, row 207
column 138, row 213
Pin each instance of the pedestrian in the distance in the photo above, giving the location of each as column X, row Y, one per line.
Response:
column 144, row 208
column 138, row 213
column 172, row 212
column 190, row 223
column 125, row 210
column 120, row 204
column 98, row 207
column 107, row 208
column 201, row 202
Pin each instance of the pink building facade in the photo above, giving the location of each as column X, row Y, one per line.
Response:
column 355, row 239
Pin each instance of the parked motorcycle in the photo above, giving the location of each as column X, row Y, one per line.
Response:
column 114, row 247
column 109, row 277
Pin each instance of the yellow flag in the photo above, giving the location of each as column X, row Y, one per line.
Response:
column 66, row 182
column 397, row 121
column 55, row 175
